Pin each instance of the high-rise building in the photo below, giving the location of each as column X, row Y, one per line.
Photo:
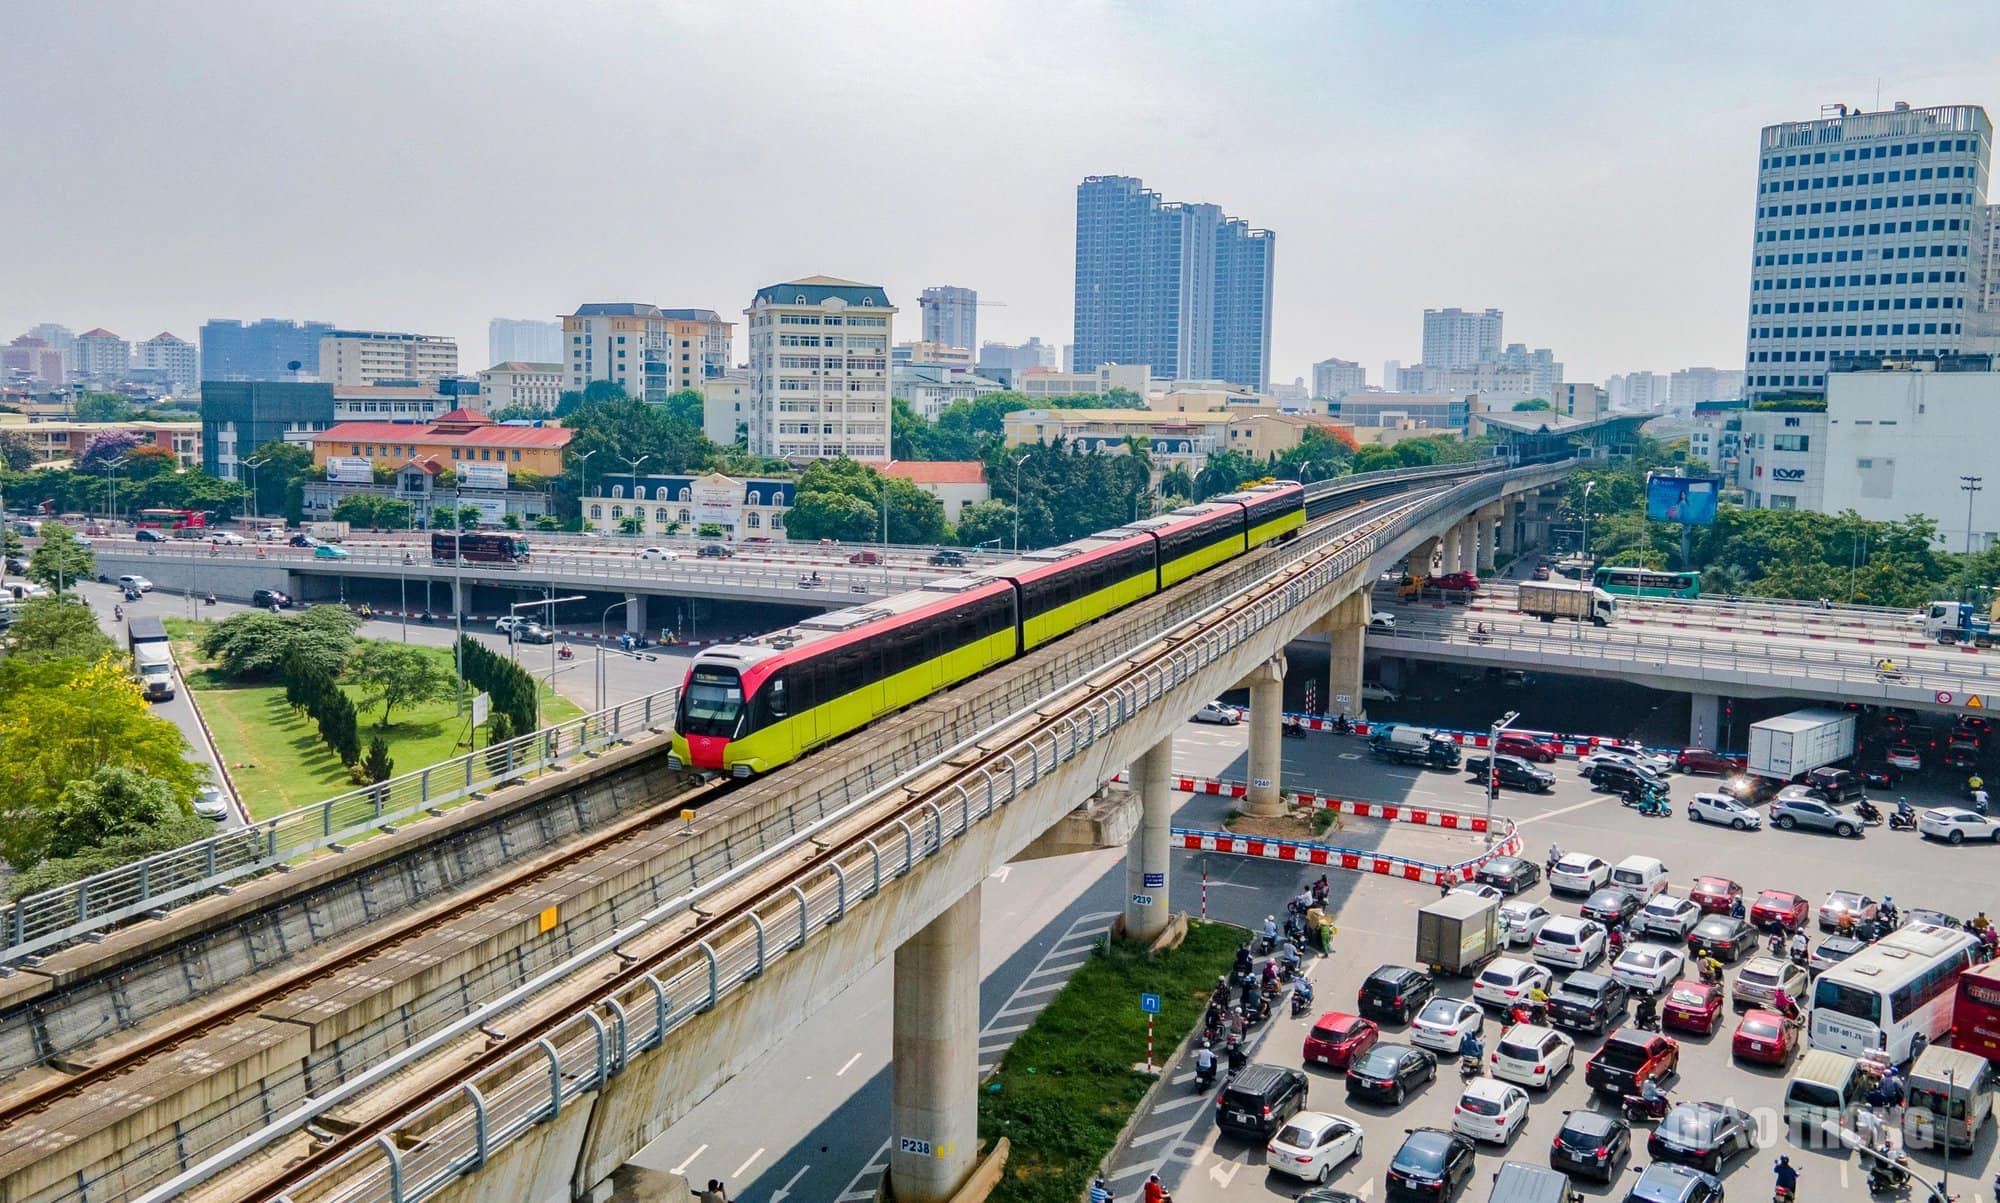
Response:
column 523, row 340
column 62, row 338
column 35, row 360
column 1691, row 386
column 707, row 336
column 819, row 369
column 360, row 357
column 1181, row 288
column 1002, row 360
column 1544, row 372
column 102, row 355
column 1990, row 224
column 951, row 315
column 1335, row 378
column 519, row 384
column 1456, row 338
column 1392, row 372
column 174, row 356
column 238, row 417
column 648, row 351
column 265, row 349
column 1866, row 240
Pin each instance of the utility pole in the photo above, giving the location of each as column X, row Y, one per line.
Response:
column 1971, row 485
column 1017, row 499
column 1493, row 767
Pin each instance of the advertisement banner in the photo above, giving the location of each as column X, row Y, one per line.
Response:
column 492, row 511
column 1686, row 499
column 349, row 469
column 483, row 476
column 717, row 499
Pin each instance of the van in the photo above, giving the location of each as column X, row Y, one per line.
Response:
column 1518, row 1182
column 1643, row 875
column 1950, row 1084
column 1824, row 1089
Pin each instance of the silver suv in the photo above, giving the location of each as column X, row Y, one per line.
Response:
column 1800, row 811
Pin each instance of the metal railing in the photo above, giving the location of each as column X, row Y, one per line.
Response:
column 54, row 917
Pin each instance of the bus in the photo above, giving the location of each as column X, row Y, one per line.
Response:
column 478, row 547
column 1975, row 1015
column 1648, row 582
column 170, row 519
column 1890, row 993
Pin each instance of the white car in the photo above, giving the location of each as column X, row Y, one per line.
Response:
column 659, row 553
column 1721, row 808
column 1648, row 967
column 1490, row 1110
column 1567, row 943
column 1506, row 981
column 1381, row 622
column 1371, row 692
column 1667, row 916
column 226, row 537
column 1444, row 1022
column 1312, row 1145
column 1640, row 758
column 1521, row 919
column 1529, row 1054
column 1216, row 712
column 209, row 803
column 133, row 581
column 1955, row 825
column 1480, row 889
column 508, row 622
column 1579, row 873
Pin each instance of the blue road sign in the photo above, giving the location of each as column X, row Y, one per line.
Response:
column 1149, row 1003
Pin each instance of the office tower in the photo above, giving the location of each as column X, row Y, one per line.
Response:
column 1866, row 240
column 1335, row 378
column 1544, row 373
column 1392, row 374
column 62, row 338
column 1009, row 358
column 1689, row 386
column 819, row 369
column 523, row 340
column 648, row 351
column 1181, row 288
column 364, row 357
column 1455, row 338
column 102, row 355
column 174, row 356
column 261, row 350
column 951, row 315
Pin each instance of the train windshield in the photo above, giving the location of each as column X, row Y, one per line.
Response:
column 714, row 703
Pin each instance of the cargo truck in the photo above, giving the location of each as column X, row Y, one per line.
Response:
column 1781, row 748
column 1415, row 745
column 328, row 532
column 152, row 658
column 1956, row 622
column 1458, row 933
column 1550, row 600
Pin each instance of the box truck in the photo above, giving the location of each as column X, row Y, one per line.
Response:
column 1550, row 600
column 1790, row 744
column 1458, row 933
column 1415, row 745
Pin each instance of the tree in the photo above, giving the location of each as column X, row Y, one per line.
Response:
column 48, row 628
column 16, row 453
column 281, row 466
column 686, row 406
column 1225, row 472
column 842, row 499
column 396, row 674
column 106, row 448
column 548, row 522
column 830, row 514
column 393, row 513
column 1533, row 405
column 149, row 460
column 986, row 522
column 511, row 520
column 258, row 643
column 110, row 802
column 103, row 407
column 632, row 524
column 625, row 429
column 1177, row 481
column 61, row 560
column 359, row 509
column 377, row 764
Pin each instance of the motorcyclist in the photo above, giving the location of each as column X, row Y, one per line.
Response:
column 1979, row 922
column 1155, row 1192
column 1471, row 1051
column 1647, row 1013
column 1783, row 1003
column 1295, row 727
column 1288, row 959
column 118, row 613
column 1302, row 993
column 1710, row 967
column 1801, row 947
column 1887, row 911
column 1204, row 1063
column 1787, row 1176
column 1736, row 909
column 1271, row 930
column 1979, row 799
column 1651, row 1094
column 1244, row 961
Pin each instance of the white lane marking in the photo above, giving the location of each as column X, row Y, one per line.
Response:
column 841, row 1072
column 1550, row 814
column 1154, row 1137
column 746, row 1163
column 1002, row 873
column 1190, row 1101
column 1025, row 991
column 682, row 1167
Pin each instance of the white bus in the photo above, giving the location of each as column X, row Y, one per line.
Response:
column 1891, row 992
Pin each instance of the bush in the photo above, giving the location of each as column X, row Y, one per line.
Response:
column 378, row 766
column 512, row 689
column 57, row 871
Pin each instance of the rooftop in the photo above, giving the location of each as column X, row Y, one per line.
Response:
column 518, row 365
column 463, row 426
column 817, row 290
column 617, row 309
column 938, row 472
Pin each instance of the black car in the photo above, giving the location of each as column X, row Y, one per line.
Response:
column 1588, row 1002
column 302, row 539
column 1388, row 1072
column 1509, row 874
column 1514, row 773
column 264, row 599
column 1834, row 785
column 1748, row 788
column 1961, row 755
column 1881, row 773
column 1622, row 778
column 1393, row 993
column 148, row 535
column 1259, row 1099
column 1665, row 1182
column 1726, row 937
column 1593, row 1144
column 948, row 557
column 1703, row 1135
column 1613, row 906
column 715, row 551
column 1430, row 1167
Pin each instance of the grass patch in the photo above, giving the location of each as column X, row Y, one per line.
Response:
column 1067, row 1086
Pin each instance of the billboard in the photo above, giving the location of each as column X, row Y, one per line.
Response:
column 483, row 476
column 1688, row 499
column 349, row 469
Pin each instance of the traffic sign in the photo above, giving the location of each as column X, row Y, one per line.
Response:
column 1973, row 703
column 1156, row 881
column 1149, row 1003
column 1944, row 697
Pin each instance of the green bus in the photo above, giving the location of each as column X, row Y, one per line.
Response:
column 1648, row 582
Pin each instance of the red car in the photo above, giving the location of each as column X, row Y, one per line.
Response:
column 1778, row 906
column 1764, row 1036
column 1338, row 1038
column 1526, row 749
column 1714, row 895
column 1705, row 760
column 1692, row 1007
column 1463, row 582
column 865, row 557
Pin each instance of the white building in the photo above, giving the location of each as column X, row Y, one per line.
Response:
column 955, row 483
column 520, row 383
column 1136, row 378
column 725, row 407
column 1456, row 338
column 648, row 351
column 523, row 340
column 419, row 403
column 1899, row 438
column 819, row 369
column 930, row 388
column 176, row 357
column 1990, row 297
column 102, row 355
column 950, row 315
column 1577, row 400
column 1335, row 378
column 1544, row 370
column 1500, row 386
column 1715, row 437
column 364, row 357
column 1783, row 460
column 1005, row 360
column 1691, row 386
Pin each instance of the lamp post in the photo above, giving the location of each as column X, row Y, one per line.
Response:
column 603, row 636
column 1017, row 499
column 632, row 479
column 111, row 486
column 514, row 640
column 583, row 484
column 1588, row 485
column 253, row 464
column 458, row 585
column 1493, row 767
column 1971, row 486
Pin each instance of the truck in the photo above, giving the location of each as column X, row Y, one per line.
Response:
column 1959, row 622
column 1415, row 745
column 1552, row 599
column 1458, row 933
column 152, row 658
column 1781, row 748
column 327, row 532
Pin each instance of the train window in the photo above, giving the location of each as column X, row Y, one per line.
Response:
column 776, row 694
column 848, row 663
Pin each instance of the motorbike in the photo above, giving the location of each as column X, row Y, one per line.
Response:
column 1295, row 730
column 1652, row 806
column 1342, row 727
column 1638, row 1110
column 1646, row 1014
column 1534, row 1013
column 564, row 653
column 1782, row 1195
column 209, row 600
column 1867, row 811
column 1204, row 1078
column 1301, row 1003
column 1902, row 820
column 118, row 614
column 1711, row 974
column 1265, row 942
column 1469, row 1068
column 1886, row 1177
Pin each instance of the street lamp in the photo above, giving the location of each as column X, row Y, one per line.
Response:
column 1493, row 767
column 583, row 482
column 1971, row 486
column 1017, row 498
column 253, row 464
column 604, row 635
column 111, row 486
column 1588, row 485
column 514, row 640
column 632, row 479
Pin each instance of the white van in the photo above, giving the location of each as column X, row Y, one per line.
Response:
column 1825, row 1088
column 1643, row 875
column 1952, row 1085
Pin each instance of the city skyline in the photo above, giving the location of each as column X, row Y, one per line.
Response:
column 1656, row 122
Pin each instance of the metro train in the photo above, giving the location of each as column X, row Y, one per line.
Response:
column 747, row 708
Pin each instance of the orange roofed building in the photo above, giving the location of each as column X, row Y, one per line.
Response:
column 463, row 436
column 956, row 483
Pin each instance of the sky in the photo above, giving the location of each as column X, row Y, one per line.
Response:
column 429, row 164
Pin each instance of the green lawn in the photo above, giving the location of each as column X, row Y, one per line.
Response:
column 275, row 755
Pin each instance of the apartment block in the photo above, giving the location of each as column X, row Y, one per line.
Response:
column 648, row 351
column 176, row 357
column 819, row 369
column 102, row 355
column 950, row 316
column 1335, row 378
column 516, row 383
column 365, row 357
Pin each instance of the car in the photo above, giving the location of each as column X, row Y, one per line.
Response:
column 147, row 534
column 225, row 538
column 1312, row 1145
column 1723, row 937
column 1692, row 1006
column 1629, row 1058
column 946, row 557
column 1520, row 920
column 1460, row 582
column 1765, row 1037
column 1507, row 980
column 1578, row 873
column 1512, row 744
column 533, row 632
column 1490, row 1111
column 132, row 581
column 1479, row 889
column 1371, row 692
column 1778, row 906
column 1591, row 1144
column 714, row 551
column 1714, row 895
column 301, row 539
column 1834, row 785
column 1665, row 1182
column 1431, row 1166
column 1961, row 754
column 264, row 599
column 1977, row 724
column 1569, row 943
column 1512, row 772
column 756, row 539
column 1880, row 772
column 1540, row 573
column 1388, row 1072
column 1721, row 808
column 1259, row 1099
column 211, row 803
column 659, row 553
column 1703, row 1135
column 1444, row 1022
column 1666, row 915
column 865, row 557
column 1326, row 1194
column 1588, row 1002
column 1611, row 906
column 1758, row 982
column 1929, row 918
column 1649, row 967
column 1619, row 777
column 1509, row 874
column 1832, row 951
column 1394, row 993
column 1748, row 788
column 508, row 622
column 1905, row 758
column 1381, row 622
column 327, row 551
column 1216, row 712
column 1956, row 824
column 1846, row 902
column 1707, row 761
column 1337, row 1038
column 1529, row 1054
column 1627, row 753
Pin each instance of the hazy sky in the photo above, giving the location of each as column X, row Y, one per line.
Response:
column 422, row 165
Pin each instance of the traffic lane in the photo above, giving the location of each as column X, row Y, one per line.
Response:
column 1712, row 613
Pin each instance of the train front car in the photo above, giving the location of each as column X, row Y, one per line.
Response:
column 712, row 720
column 1275, row 511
